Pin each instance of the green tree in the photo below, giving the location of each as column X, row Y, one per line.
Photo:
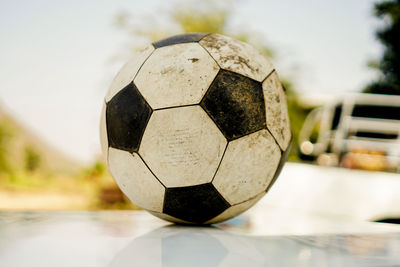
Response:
column 32, row 159
column 97, row 169
column 192, row 16
column 389, row 36
column 212, row 17
column 5, row 138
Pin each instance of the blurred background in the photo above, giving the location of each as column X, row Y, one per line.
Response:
column 58, row 59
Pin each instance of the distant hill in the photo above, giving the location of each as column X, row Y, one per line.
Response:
column 21, row 148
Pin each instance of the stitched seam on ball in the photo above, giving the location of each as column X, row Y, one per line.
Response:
column 209, row 53
column 249, row 198
column 151, row 170
column 147, row 123
column 269, row 74
column 182, row 106
column 223, row 154
column 133, row 80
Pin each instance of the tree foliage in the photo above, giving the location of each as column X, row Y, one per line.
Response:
column 32, row 159
column 5, row 138
column 192, row 16
column 214, row 20
column 389, row 36
column 208, row 16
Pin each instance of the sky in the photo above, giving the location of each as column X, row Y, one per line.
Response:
column 57, row 58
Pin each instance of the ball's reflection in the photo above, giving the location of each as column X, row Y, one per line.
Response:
column 209, row 246
column 188, row 246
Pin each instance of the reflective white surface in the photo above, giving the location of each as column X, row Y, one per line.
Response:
column 136, row 238
column 336, row 192
column 312, row 216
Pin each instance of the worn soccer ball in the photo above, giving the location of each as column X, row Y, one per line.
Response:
column 195, row 128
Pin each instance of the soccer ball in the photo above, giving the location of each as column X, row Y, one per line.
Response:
column 195, row 128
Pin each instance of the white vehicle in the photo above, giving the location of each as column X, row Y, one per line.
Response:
column 356, row 131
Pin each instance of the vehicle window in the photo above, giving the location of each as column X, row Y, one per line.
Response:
column 378, row 112
column 336, row 116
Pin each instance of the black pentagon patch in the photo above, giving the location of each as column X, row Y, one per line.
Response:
column 127, row 115
column 196, row 204
column 236, row 104
column 194, row 245
column 180, row 39
column 282, row 161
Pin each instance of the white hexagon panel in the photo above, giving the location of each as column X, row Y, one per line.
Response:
column 176, row 75
column 182, row 146
column 136, row 180
column 128, row 72
column 237, row 56
column 276, row 111
column 248, row 167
